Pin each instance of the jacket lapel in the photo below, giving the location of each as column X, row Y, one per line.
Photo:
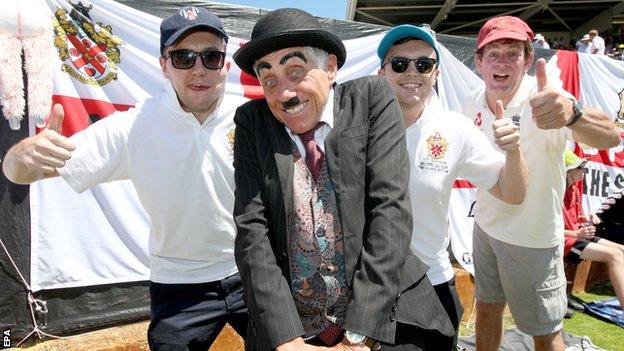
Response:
column 332, row 142
column 332, row 154
column 282, row 152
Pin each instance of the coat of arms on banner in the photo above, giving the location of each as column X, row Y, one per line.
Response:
column 619, row 119
column 89, row 51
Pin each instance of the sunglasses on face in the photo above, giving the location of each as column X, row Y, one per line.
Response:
column 423, row 64
column 185, row 59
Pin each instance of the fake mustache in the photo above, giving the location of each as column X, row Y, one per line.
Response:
column 291, row 103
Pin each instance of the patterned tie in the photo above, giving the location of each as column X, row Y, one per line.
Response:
column 314, row 154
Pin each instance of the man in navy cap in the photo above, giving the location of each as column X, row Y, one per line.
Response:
column 175, row 149
column 443, row 145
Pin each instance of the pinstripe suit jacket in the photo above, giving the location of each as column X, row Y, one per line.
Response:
column 368, row 165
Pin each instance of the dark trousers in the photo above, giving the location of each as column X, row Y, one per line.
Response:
column 447, row 293
column 411, row 338
column 407, row 338
column 190, row 316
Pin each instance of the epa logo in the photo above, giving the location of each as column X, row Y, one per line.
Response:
column 6, row 339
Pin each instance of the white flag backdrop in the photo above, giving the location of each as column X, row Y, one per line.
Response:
column 107, row 60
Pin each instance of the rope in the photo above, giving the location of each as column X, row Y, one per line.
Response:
column 33, row 303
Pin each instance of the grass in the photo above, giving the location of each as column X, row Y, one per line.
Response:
column 606, row 335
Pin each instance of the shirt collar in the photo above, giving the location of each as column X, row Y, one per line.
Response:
column 519, row 97
column 432, row 107
column 523, row 92
column 176, row 109
column 328, row 111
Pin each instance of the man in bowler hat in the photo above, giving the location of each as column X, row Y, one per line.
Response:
column 321, row 206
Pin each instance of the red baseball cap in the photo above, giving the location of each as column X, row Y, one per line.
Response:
column 504, row 27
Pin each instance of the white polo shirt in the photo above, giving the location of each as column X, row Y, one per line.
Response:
column 537, row 222
column 183, row 175
column 442, row 146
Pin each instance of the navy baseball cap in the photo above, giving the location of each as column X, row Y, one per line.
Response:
column 405, row 31
column 186, row 19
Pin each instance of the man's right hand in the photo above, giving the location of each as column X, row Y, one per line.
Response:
column 38, row 157
column 506, row 133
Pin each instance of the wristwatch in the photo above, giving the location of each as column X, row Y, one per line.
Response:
column 354, row 338
column 359, row 339
column 577, row 108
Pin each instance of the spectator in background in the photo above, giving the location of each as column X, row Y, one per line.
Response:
column 581, row 243
column 611, row 225
column 540, row 42
column 619, row 54
column 585, row 44
column 518, row 249
column 597, row 43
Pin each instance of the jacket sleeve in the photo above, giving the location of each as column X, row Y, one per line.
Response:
column 388, row 219
column 274, row 316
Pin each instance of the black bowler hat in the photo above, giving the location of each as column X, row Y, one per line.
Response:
column 286, row 28
column 186, row 19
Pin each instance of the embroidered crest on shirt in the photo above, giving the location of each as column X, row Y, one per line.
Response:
column 478, row 121
column 516, row 120
column 434, row 161
column 230, row 138
column 437, row 146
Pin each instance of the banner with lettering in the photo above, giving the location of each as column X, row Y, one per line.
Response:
column 107, row 59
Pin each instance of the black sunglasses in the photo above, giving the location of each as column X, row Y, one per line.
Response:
column 185, row 59
column 423, row 64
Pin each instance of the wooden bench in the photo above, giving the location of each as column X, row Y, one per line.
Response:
column 228, row 340
column 583, row 276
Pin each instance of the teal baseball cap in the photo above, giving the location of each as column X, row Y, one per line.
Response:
column 406, row 31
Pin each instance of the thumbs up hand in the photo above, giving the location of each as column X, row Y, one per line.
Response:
column 48, row 150
column 506, row 133
column 551, row 109
column 56, row 118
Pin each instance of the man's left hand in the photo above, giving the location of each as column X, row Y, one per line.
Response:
column 551, row 109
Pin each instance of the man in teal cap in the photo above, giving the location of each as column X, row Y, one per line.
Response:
column 442, row 146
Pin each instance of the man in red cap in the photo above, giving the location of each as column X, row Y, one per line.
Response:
column 518, row 248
